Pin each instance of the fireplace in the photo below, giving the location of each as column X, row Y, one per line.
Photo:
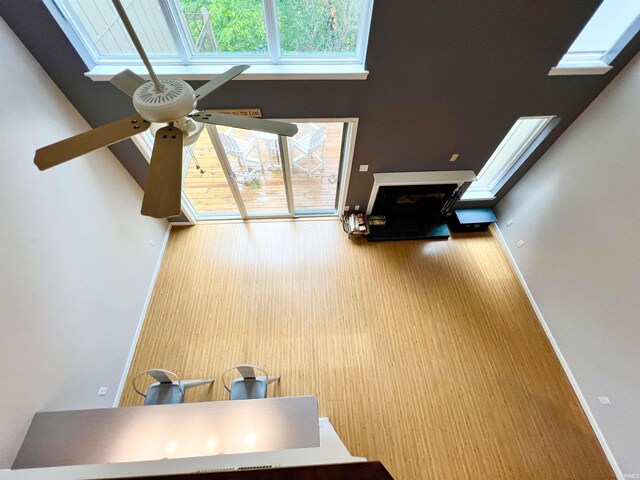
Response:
column 415, row 204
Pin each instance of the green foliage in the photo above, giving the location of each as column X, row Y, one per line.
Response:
column 253, row 184
column 238, row 25
column 306, row 26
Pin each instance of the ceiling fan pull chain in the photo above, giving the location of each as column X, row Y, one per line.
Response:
column 194, row 157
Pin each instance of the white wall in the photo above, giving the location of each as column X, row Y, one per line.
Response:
column 578, row 210
column 76, row 261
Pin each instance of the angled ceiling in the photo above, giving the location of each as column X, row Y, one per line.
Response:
column 445, row 77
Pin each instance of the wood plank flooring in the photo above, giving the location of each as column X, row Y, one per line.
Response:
column 425, row 355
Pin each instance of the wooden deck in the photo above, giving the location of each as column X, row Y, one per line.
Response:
column 209, row 191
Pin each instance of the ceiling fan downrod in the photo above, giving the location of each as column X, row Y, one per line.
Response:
column 136, row 43
column 169, row 101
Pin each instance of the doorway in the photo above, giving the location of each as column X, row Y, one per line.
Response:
column 234, row 173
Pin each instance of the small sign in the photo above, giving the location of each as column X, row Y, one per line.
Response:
column 240, row 112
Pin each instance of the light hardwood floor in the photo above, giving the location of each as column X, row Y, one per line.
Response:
column 424, row 355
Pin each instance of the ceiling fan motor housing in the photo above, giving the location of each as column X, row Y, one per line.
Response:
column 176, row 100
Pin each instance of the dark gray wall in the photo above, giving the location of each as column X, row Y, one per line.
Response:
column 445, row 77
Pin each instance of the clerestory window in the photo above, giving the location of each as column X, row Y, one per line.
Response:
column 611, row 27
column 507, row 157
column 196, row 38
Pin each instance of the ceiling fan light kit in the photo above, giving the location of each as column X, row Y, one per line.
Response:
column 168, row 107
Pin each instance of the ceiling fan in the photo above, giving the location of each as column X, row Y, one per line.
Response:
column 166, row 101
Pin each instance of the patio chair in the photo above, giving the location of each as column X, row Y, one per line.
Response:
column 248, row 385
column 308, row 146
column 241, row 149
column 165, row 390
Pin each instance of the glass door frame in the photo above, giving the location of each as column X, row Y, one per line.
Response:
column 212, row 131
column 346, row 161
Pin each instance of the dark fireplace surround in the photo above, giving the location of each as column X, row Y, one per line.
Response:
column 415, row 204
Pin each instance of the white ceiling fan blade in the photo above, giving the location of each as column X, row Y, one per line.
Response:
column 60, row 152
column 127, row 81
column 268, row 126
column 211, row 85
column 163, row 187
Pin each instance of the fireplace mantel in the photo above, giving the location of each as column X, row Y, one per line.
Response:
column 458, row 177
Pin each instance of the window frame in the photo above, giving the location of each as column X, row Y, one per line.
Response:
column 594, row 62
column 486, row 189
column 191, row 66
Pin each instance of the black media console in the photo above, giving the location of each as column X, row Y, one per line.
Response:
column 412, row 212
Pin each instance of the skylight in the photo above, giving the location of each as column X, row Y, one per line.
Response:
column 186, row 36
column 504, row 158
column 610, row 28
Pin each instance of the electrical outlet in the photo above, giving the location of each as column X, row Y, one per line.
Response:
column 364, row 168
column 520, row 243
column 357, row 207
column 509, row 222
column 346, row 208
column 604, row 400
column 102, row 391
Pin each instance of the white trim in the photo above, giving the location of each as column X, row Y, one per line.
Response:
column 365, row 30
column 62, row 17
column 581, row 64
column 504, row 157
column 352, row 131
column 187, row 209
column 188, row 65
column 503, row 167
column 178, row 35
column 580, row 68
column 349, row 142
column 214, row 137
column 145, row 308
column 287, row 173
column 563, row 362
column 595, row 62
column 319, row 218
column 256, row 72
column 418, row 178
column 474, row 194
column 270, row 13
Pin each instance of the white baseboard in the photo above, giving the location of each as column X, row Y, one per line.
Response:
column 116, row 400
column 563, row 362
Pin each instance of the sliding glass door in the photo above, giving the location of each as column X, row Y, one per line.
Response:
column 205, row 183
column 256, row 169
column 250, row 174
column 315, row 156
